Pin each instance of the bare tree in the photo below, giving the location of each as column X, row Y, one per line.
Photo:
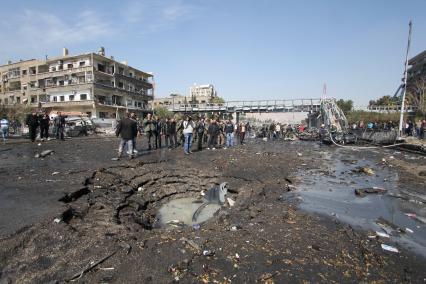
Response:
column 417, row 90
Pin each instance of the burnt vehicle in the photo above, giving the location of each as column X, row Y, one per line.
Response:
column 79, row 126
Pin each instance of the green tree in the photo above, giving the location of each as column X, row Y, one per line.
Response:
column 217, row 100
column 162, row 112
column 345, row 106
column 385, row 101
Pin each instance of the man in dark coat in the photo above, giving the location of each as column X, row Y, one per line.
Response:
column 200, row 132
column 128, row 129
column 213, row 132
column 59, row 122
column 44, row 127
column 33, row 123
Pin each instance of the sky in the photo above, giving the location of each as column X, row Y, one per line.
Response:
column 249, row 50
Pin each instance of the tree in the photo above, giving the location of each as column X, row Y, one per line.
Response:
column 385, row 101
column 345, row 106
column 162, row 112
column 217, row 100
column 416, row 91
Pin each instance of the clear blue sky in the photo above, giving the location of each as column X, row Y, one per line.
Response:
column 247, row 49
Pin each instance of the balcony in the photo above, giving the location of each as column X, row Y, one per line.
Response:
column 60, row 73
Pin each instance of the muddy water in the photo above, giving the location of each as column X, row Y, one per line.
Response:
column 181, row 211
column 330, row 191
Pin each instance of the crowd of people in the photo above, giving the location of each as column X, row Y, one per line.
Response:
column 172, row 133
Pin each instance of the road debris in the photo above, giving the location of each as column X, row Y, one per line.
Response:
column 361, row 192
column 90, row 267
column 389, row 248
column 44, row 154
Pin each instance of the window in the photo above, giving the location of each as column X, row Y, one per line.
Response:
column 71, row 97
column 121, row 85
column 101, row 67
column 33, row 99
column 24, row 72
column 55, row 98
column 69, row 66
column 18, row 100
column 120, row 70
column 62, row 98
column 83, row 97
column 61, row 83
column 82, row 63
column 103, row 114
column 6, row 101
column 130, row 74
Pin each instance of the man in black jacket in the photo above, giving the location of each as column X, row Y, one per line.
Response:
column 33, row 123
column 44, row 127
column 200, row 132
column 128, row 130
column 213, row 132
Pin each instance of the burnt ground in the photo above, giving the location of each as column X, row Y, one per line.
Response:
column 109, row 208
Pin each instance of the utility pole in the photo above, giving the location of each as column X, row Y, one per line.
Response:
column 401, row 118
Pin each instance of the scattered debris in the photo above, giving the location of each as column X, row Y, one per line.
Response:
column 90, row 267
column 299, row 154
column 361, row 192
column 415, row 217
column 215, row 195
column 44, row 154
column 192, row 244
column 57, row 220
column 383, row 235
column 365, row 170
column 389, row 248
column 208, row 253
column 409, row 230
column 55, row 173
column 230, row 201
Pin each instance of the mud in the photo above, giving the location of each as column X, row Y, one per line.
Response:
column 111, row 209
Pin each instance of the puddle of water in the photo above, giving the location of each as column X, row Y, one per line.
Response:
column 183, row 209
column 333, row 195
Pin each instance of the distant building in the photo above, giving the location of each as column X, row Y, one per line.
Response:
column 417, row 66
column 416, row 83
column 88, row 84
column 198, row 94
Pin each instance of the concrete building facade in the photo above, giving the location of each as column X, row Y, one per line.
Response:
column 89, row 84
column 198, row 94
column 416, row 83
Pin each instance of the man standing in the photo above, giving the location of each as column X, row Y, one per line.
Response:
column 158, row 132
column 59, row 122
column 44, row 127
column 213, row 132
column 242, row 132
column 188, row 129
column 148, row 127
column 173, row 133
column 128, row 129
column 4, row 128
column 32, row 122
column 134, row 118
column 200, row 132
column 229, row 132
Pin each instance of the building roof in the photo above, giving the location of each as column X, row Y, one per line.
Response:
column 416, row 58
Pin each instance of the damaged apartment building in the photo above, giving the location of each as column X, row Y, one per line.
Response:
column 86, row 84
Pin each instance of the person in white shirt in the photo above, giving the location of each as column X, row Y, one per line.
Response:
column 188, row 129
column 4, row 128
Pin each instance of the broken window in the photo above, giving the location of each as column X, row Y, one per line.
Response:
column 70, row 66
column 32, row 70
column 101, row 67
column 33, row 99
column 61, row 83
column 24, row 72
column 18, row 100
column 71, row 97
column 83, row 97
column 121, row 85
column 121, row 70
column 62, row 98
column 82, row 63
column 55, row 98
